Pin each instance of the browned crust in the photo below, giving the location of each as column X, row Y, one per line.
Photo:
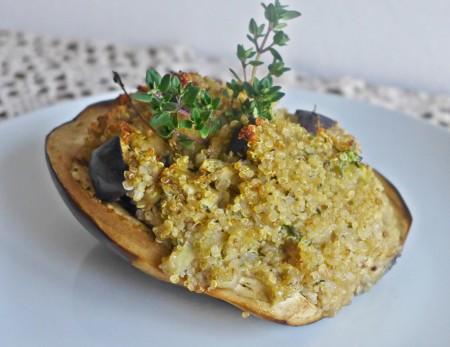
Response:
column 137, row 245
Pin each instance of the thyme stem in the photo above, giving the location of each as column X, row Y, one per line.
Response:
column 117, row 79
column 259, row 50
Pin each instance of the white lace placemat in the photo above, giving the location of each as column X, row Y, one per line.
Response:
column 36, row 71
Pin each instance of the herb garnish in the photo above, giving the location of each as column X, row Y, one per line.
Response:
column 178, row 104
column 347, row 158
column 261, row 94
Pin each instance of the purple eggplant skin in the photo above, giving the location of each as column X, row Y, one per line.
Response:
column 85, row 220
column 106, row 169
column 127, row 204
column 312, row 121
column 238, row 145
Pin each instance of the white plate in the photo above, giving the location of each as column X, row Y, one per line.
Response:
column 59, row 287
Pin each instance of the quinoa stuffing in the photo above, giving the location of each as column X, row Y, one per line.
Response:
column 294, row 216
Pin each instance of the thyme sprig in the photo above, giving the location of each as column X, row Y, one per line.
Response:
column 261, row 94
column 177, row 105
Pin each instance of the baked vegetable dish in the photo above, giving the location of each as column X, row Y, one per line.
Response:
column 207, row 185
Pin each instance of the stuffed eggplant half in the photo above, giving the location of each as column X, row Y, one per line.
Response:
column 278, row 217
column 207, row 185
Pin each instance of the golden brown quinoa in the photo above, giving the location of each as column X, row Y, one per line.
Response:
column 289, row 218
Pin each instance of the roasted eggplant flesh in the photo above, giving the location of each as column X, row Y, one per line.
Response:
column 106, row 169
column 312, row 121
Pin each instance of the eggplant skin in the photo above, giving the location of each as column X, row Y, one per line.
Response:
column 133, row 241
column 239, row 145
column 312, row 121
column 106, row 169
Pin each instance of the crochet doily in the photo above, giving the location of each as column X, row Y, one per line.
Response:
column 36, row 71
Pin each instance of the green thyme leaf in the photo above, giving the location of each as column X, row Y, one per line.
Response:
column 266, row 82
column 185, row 141
column 277, row 68
column 195, row 115
column 276, row 55
column 190, row 95
column 270, row 13
column 185, row 123
column 251, row 39
column 280, row 38
column 255, row 62
column 240, row 52
column 152, row 78
column 264, row 37
column 253, row 27
column 204, row 132
column 165, row 82
column 287, row 15
column 277, row 96
column 215, row 103
column 164, row 123
column 142, row 97
column 169, row 106
column 261, row 30
column 279, row 26
column 174, row 83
